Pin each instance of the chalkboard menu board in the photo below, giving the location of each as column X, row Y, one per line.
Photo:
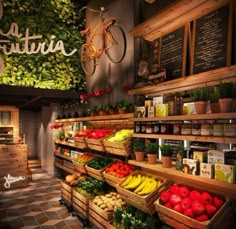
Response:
column 173, row 54
column 210, row 41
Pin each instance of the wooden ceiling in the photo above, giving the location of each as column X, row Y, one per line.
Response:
column 27, row 98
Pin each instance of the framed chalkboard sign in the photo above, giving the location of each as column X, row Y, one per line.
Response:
column 211, row 44
column 5, row 117
column 173, row 52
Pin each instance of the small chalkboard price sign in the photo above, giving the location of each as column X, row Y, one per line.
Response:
column 211, row 41
column 173, row 52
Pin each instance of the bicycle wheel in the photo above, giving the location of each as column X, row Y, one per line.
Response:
column 115, row 43
column 87, row 60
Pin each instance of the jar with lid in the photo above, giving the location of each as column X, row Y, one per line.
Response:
column 218, row 129
column 143, row 128
column 137, row 127
column 164, row 128
column 149, row 128
column 176, row 128
column 186, row 129
column 230, row 130
column 206, row 129
column 196, row 129
column 156, row 128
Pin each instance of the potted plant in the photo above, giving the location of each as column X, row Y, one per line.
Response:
column 100, row 110
column 139, row 150
column 214, row 100
column 200, row 98
column 166, row 155
column 110, row 109
column 226, row 90
column 122, row 107
column 152, row 150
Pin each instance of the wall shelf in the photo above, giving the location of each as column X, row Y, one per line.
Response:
column 64, row 143
column 212, row 185
column 71, row 171
column 63, row 156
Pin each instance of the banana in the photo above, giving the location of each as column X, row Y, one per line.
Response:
column 127, row 181
column 142, row 185
column 134, row 183
column 151, row 185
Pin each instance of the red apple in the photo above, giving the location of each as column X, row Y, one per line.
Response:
column 189, row 212
column 175, row 199
column 174, row 189
column 218, row 201
column 186, row 203
column 202, row 217
column 211, row 210
column 165, row 196
column 178, row 208
column 184, row 191
column 206, row 198
column 168, row 205
column 195, row 195
column 198, row 208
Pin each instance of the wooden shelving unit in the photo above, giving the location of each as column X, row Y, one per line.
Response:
column 63, row 156
column 64, row 143
column 212, row 185
column 71, row 171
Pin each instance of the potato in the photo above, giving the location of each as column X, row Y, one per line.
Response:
column 103, row 206
column 100, row 202
column 109, row 206
column 108, row 195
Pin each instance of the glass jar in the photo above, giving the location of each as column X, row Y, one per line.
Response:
column 177, row 128
column 137, row 127
column 143, row 128
column 186, row 129
column 230, row 130
column 156, row 128
column 218, row 130
column 164, row 128
column 149, row 128
column 196, row 129
column 206, row 129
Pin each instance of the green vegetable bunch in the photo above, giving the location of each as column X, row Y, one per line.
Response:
column 100, row 162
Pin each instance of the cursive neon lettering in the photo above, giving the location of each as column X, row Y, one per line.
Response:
column 9, row 180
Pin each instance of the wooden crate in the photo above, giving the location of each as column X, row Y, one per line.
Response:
column 80, row 142
column 123, row 148
column 66, row 192
column 106, row 215
column 112, row 180
column 95, row 144
column 147, row 200
column 98, row 174
column 80, row 203
column 224, row 217
column 79, row 167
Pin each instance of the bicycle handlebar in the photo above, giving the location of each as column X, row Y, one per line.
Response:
column 102, row 9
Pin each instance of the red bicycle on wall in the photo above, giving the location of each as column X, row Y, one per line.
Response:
column 106, row 37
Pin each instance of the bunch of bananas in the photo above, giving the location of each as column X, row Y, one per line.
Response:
column 141, row 184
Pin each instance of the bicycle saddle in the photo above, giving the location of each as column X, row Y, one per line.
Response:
column 83, row 32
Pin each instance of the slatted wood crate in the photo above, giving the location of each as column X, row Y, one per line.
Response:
column 99, row 217
column 224, row 218
column 146, row 202
column 112, row 180
column 123, row 148
column 80, row 142
column 98, row 174
column 66, row 192
column 80, row 203
column 79, row 167
column 95, row 144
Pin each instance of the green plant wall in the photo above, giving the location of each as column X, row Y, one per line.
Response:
column 54, row 20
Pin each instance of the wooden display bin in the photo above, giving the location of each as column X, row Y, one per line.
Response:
column 80, row 142
column 123, row 148
column 146, row 203
column 98, row 174
column 224, row 217
column 66, row 192
column 95, row 144
column 80, row 203
column 79, row 167
column 112, row 180
column 99, row 217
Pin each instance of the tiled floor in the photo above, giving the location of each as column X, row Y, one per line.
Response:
column 36, row 206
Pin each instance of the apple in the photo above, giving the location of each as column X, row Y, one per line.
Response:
column 218, row 201
column 206, row 198
column 175, row 199
column 188, row 212
column 174, row 189
column 211, row 210
column 184, row 191
column 198, row 208
column 186, row 203
column 178, row 208
column 165, row 196
column 202, row 217
column 168, row 205
column 195, row 195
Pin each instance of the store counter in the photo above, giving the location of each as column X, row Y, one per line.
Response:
column 13, row 166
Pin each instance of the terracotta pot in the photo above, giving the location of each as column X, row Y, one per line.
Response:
column 201, row 107
column 152, row 158
column 111, row 111
column 139, row 155
column 121, row 111
column 215, row 107
column 101, row 113
column 226, row 105
column 166, row 162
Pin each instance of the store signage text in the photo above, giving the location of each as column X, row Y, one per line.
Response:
column 9, row 180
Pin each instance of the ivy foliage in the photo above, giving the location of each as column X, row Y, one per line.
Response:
column 49, row 18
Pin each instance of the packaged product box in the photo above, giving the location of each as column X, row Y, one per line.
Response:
column 225, row 173
column 188, row 108
column 141, row 111
column 150, row 112
column 200, row 156
column 148, row 103
column 207, row 170
column 157, row 100
column 215, row 156
column 190, row 166
column 162, row 110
